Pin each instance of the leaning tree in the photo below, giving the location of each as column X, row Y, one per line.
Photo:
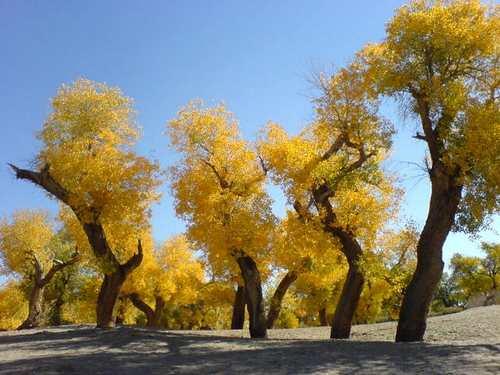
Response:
column 88, row 164
column 440, row 59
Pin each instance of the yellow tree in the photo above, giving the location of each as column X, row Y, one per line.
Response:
column 171, row 276
column 30, row 250
column 87, row 162
column 301, row 248
column 13, row 305
column 219, row 191
column 331, row 173
column 441, row 59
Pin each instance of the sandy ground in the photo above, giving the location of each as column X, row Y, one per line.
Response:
column 462, row 343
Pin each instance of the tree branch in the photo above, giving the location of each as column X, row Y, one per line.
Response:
column 135, row 260
column 59, row 266
column 44, row 180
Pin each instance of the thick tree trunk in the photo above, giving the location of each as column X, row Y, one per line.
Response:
column 253, row 291
column 238, row 318
column 34, row 318
column 346, row 307
column 323, row 321
column 277, row 299
column 106, row 300
column 445, row 197
column 351, row 291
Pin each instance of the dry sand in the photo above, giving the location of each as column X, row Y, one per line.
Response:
column 464, row 343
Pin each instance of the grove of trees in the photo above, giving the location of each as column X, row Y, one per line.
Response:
column 340, row 255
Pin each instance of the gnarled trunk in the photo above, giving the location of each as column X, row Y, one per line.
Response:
column 34, row 318
column 445, row 197
column 106, row 300
column 323, row 321
column 353, row 286
column 277, row 299
column 238, row 318
column 253, row 291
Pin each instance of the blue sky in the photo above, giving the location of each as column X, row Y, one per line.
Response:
column 255, row 56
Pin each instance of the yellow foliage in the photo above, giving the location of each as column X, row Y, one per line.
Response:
column 13, row 306
column 24, row 238
column 219, row 187
column 87, row 144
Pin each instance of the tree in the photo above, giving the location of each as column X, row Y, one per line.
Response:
column 331, row 173
column 219, row 191
column 474, row 275
column 491, row 263
column 88, row 164
column 300, row 247
column 13, row 305
column 30, row 250
column 440, row 58
column 172, row 276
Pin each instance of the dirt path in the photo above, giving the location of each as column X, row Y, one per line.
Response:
column 463, row 343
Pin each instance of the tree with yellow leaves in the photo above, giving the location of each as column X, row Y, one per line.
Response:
column 30, row 250
column 13, row 305
column 331, row 174
column 87, row 163
column 440, row 57
column 301, row 248
column 171, row 276
column 219, row 191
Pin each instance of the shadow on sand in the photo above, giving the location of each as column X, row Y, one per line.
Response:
column 124, row 350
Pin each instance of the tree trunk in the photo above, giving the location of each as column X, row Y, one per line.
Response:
column 152, row 316
column 323, row 321
column 57, row 314
column 238, row 319
column 445, row 197
column 159, row 305
column 34, row 318
column 351, row 291
column 253, row 291
column 106, row 300
column 277, row 299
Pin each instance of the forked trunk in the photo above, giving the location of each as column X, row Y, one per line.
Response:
column 106, row 300
column 153, row 316
column 277, row 299
column 34, row 318
column 445, row 198
column 351, row 291
column 253, row 291
column 238, row 318
column 323, row 321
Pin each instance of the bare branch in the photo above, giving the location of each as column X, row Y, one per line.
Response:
column 59, row 266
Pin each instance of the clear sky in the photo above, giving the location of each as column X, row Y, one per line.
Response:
column 256, row 56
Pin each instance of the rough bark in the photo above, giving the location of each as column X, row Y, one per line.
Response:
column 238, row 318
column 89, row 219
column 323, row 321
column 34, row 318
column 253, row 291
column 277, row 299
column 445, row 198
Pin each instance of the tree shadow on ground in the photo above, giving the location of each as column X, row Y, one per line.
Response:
column 136, row 351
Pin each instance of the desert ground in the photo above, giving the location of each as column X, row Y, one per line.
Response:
column 463, row 343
